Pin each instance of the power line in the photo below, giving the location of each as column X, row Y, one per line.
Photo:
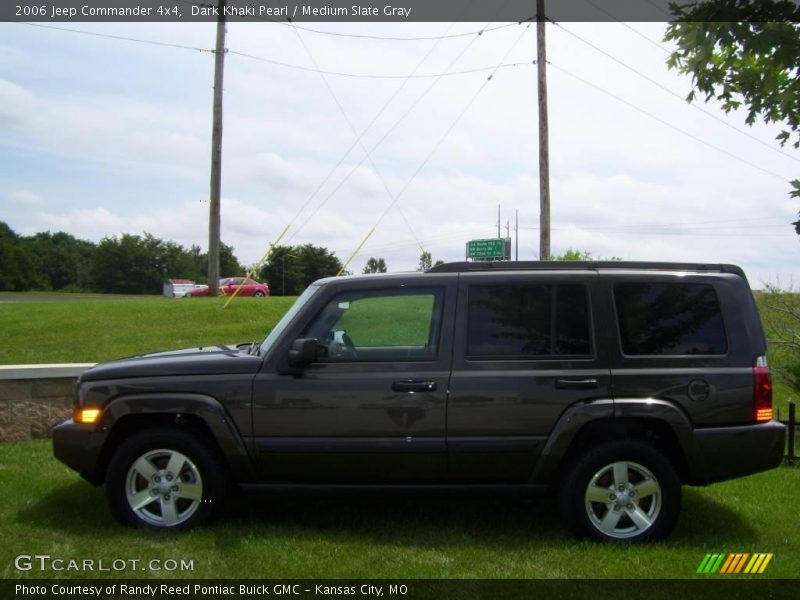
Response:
column 361, row 144
column 434, row 242
column 404, row 39
column 359, row 141
column 277, row 62
column 371, row 75
column 667, row 123
column 386, row 134
column 352, row 146
column 639, row 33
column 396, row 199
column 674, row 94
column 745, row 222
column 119, row 37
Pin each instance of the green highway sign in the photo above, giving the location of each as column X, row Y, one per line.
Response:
column 487, row 249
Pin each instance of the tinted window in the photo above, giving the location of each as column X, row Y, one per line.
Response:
column 669, row 319
column 380, row 326
column 524, row 321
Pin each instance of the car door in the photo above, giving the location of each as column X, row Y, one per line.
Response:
column 230, row 285
column 525, row 351
column 372, row 407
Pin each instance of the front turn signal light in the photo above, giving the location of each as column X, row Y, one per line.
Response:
column 87, row 415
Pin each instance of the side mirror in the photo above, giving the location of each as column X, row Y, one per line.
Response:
column 304, row 351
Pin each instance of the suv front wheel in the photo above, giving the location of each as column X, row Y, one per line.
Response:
column 621, row 491
column 164, row 479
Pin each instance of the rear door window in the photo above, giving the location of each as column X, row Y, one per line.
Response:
column 526, row 321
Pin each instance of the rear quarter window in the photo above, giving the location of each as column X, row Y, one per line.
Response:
column 669, row 319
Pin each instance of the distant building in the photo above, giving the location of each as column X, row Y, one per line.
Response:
column 177, row 288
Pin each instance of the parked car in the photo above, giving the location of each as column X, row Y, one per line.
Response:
column 611, row 384
column 229, row 285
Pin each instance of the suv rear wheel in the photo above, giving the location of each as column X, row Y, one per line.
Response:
column 621, row 491
column 164, row 479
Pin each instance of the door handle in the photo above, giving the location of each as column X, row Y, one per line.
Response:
column 414, row 386
column 576, row 384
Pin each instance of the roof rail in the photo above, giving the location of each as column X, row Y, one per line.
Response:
column 556, row 265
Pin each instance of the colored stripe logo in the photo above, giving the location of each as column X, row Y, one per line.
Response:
column 734, row 563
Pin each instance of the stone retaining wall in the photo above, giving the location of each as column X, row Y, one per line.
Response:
column 34, row 398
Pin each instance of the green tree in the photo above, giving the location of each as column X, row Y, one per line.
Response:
column 61, row 260
column 133, row 264
column 291, row 269
column 426, row 261
column 375, row 265
column 577, row 255
column 573, row 255
column 17, row 269
column 780, row 313
column 743, row 53
column 124, row 265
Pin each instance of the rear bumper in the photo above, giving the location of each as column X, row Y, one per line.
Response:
column 725, row 453
column 78, row 446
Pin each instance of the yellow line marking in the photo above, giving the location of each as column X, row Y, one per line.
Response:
column 766, row 562
column 271, row 247
column 751, row 563
column 356, row 251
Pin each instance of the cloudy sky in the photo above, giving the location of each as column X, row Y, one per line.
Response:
column 100, row 136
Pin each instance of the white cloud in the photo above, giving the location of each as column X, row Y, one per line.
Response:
column 25, row 198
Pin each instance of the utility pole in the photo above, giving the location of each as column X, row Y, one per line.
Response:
column 544, row 144
column 498, row 221
column 216, row 158
column 516, row 234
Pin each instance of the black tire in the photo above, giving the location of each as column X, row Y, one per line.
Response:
column 259, row 294
column 183, row 479
column 623, row 491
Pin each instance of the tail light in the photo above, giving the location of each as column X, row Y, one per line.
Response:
column 762, row 390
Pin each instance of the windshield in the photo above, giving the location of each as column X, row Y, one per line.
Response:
column 273, row 335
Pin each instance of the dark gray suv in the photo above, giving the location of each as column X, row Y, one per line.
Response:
column 611, row 384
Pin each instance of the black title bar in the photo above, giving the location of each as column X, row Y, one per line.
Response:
column 373, row 11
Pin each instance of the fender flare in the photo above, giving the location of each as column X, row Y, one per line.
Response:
column 566, row 428
column 661, row 410
column 206, row 408
column 578, row 416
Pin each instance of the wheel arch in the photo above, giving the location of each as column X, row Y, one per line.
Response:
column 652, row 431
column 582, row 426
column 204, row 416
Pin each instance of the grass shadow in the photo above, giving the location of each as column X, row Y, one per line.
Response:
column 424, row 520
column 76, row 508
column 408, row 519
column 703, row 520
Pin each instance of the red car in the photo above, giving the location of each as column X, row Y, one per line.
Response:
column 228, row 286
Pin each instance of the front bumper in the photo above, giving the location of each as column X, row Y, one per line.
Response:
column 722, row 453
column 78, row 446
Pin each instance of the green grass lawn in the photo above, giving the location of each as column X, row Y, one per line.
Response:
column 47, row 509
column 100, row 329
